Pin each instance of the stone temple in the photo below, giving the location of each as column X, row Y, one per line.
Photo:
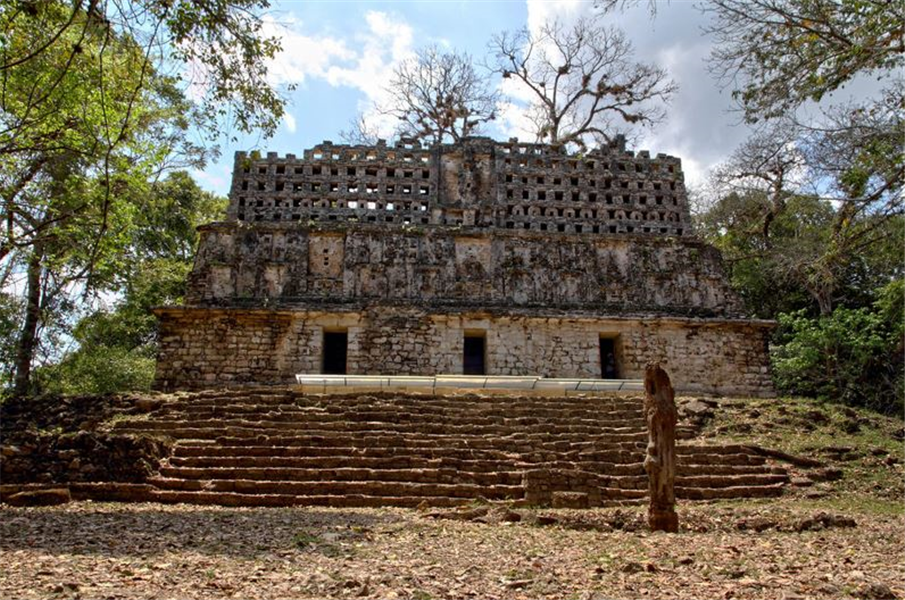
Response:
column 478, row 258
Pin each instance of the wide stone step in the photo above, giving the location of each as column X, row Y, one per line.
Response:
column 528, row 453
column 343, row 488
column 321, row 428
column 727, row 493
column 462, row 403
column 440, row 446
column 390, row 419
column 420, row 475
column 484, row 465
column 344, row 501
column 508, row 409
column 514, row 441
column 465, row 411
column 730, row 481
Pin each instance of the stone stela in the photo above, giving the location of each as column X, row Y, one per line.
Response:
column 477, row 258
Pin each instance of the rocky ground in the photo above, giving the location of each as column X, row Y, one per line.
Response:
column 840, row 538
column 776, row 550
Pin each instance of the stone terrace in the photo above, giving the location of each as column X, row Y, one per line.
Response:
column 278, row 447
column 481, row 184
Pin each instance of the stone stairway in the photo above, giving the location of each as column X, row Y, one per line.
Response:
column 279, row 447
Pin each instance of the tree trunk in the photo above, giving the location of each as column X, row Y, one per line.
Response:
column 660, row 462
column 28, row 337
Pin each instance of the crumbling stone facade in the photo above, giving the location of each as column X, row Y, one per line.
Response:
column 561, row 265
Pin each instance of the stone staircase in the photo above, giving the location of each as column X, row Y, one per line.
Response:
column 279, row 447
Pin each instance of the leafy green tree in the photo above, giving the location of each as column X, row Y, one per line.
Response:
column 88, row 119
column 770, row 266
column 779, row 54
column 117, row 347
column 852, row 355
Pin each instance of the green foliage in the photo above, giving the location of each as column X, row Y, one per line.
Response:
column 782, row 53
column 11, row 310
column 771, row 271
column 854, row 356
column 101, row 370
column 117, row 348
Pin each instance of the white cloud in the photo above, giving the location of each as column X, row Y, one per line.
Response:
column 545, row 11
column 302, row 55
column 289, row 122
column 365, row 61
column 698, row 128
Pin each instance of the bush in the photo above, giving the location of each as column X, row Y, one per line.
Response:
column 854, row 356
column 99, row 370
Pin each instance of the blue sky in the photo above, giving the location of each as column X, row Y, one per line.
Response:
column 340, row 56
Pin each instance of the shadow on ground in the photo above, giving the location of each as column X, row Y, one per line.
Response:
column 120, row 530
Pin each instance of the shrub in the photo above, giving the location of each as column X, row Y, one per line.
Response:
column 854, row 356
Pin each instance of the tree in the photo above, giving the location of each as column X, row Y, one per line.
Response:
column 89, row 114
column 87, row 123
column 582, row 80
column 117, row 346
column 360, row 132
column 778, row 54
column 439, row 96
column 218, row 45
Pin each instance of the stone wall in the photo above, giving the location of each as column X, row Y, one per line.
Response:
column 284, row 265
column 407, row 249
column 478, row 183
column 211, row 347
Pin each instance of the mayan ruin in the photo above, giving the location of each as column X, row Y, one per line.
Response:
column 477, row 258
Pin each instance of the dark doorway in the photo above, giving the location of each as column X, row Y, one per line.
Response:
column 335, row 347
column 473, row 357
column 609, row 368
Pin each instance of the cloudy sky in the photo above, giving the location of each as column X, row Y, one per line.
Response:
column 341, row 54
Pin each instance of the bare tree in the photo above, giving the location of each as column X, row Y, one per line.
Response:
column 582, row 80
column 360, row 132
column 767, row 166
column 439, row 96
column 849, row 166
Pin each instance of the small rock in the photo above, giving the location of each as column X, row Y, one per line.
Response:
column 698, row 409
column 632, row 567
column 827, row 474
column 686, row 560
column 517, row 584
column 48, row 497
column 507, row 516
column 147, row 404
column 823, row 521
column 875, row 591
column 891, row 460
column 801, row 482
column 544, row 520
column 569, row 500
column 851, row 426
column 817, row 417
column 757, row 524
column 879, row 451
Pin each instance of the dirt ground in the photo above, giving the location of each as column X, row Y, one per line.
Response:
column 779, row 549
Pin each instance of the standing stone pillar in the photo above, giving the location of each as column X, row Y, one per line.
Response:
column 660, row 462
